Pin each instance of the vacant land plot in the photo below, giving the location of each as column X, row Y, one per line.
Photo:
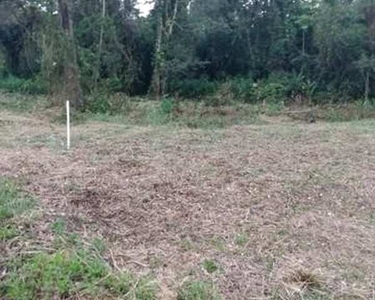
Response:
column 276, row 211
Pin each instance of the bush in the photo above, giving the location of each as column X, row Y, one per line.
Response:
column 113, row 84
column 98, row 103
column 106, row 103
column 243, row 89
column 194, row 88
column 279, row 87
column 33, row 86
column 270, row 92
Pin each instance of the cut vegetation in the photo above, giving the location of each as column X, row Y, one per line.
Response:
column 281, row 209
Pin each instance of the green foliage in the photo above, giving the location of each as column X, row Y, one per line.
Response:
column 98, row 103
column 34, row 86
column 194, row 88
column 58, row 227
column 214, row 50
column 271, row 92
column 167, row 106
column 198, row 290
column 243, row 89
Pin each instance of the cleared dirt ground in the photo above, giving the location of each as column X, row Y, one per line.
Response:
column 278, row 208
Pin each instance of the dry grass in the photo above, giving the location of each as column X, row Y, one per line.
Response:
column 300, row 196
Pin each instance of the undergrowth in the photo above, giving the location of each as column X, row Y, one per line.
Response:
column 120, row 108
column 34, row 86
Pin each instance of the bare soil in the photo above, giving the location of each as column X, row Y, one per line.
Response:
column 264, row 202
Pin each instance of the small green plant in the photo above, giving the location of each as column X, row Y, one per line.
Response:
column 166, row 106
column 241, row 240
column 198, row 290
column 210, row 266
column 243, row 89
column 271, row 92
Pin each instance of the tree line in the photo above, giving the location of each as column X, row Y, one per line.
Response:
column 255, row 50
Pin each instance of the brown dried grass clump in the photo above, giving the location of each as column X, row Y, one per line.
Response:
column 300, row 282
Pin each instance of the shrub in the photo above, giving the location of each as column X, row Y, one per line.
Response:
column 194, row 88
column 12, row 84
column 243, row 89
column 270, row 92
column 113, row 84
column 98, row 103
column 33, row 86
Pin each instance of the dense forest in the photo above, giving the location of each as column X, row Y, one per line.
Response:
column 308, row 51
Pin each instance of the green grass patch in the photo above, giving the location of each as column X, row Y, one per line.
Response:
column 12, row 201
column 71, row 269
column 8, row 232
column 198, row 290
column 68, row 273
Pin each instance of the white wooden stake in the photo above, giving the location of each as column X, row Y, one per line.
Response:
column 68, row 124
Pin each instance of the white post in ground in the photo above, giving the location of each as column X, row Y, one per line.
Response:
column 67, row 125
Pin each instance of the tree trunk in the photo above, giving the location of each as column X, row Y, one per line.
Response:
column 303, row 43
column 100, row 47
column 164, row 33
column 367, row 86
column 71, row 87
column 370, row 20
column 158, row 58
